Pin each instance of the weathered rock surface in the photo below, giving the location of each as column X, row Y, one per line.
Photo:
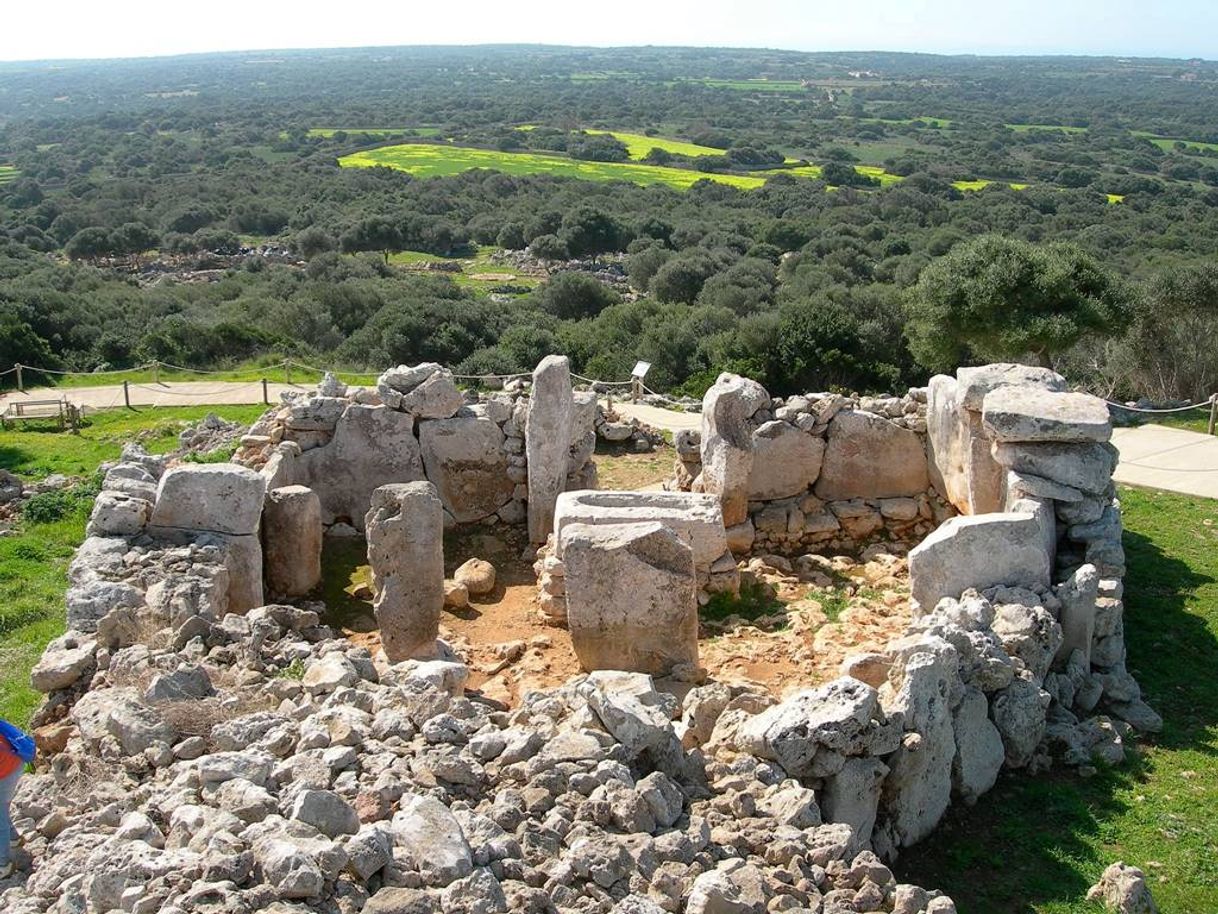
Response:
column 464, row 459
column 547, row 442
column 372, row 446
column 978, row 552
column 631, row 601
column 405, row 525
column 786, row 461
column 975, row 383
column 870, row 457
column 727, row 442
column 218, row 498
column 292, row 540
column 1035, row 414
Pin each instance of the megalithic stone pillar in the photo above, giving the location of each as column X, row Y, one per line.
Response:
column 727, row 442
column 405, row 528
column 547, row 441
column 291, row 535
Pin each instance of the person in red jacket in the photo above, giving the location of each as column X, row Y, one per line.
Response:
column 11, row 766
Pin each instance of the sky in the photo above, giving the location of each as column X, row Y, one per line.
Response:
column 141, row 28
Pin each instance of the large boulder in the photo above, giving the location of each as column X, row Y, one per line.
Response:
column 431, row 836
column 631, row 598
column 464, row 458
column 1087, row 467
column 978, row 552
column 548, row 441
column 1035, row 414
column 976, row 383
column 727, row 442
column 870, row 457
column 372, row 446
column 786, row 461
column 405, row 526
column 839, row 717
column 118, row 514
column 291, row 537
column 217, row 498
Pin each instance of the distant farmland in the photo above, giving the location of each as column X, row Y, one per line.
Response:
column 424, row 160
column 7, row 173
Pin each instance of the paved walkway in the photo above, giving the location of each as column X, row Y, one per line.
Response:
column 1175, row 459
column 657, row 416
column 176, row 393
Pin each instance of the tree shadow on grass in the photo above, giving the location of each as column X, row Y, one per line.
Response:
column 1038, row 840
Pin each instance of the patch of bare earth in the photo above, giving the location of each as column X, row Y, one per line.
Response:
column 622, row 470
column 814, row 611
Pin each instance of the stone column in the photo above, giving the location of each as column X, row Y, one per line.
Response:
column 631, row 601
column 405, row 528
column 727, row 442
column 548, row 441
column 291, row 535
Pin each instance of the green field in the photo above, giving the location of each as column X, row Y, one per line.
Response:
column 472, row 269
column 638, row 144
column 424, row 160
column 7, row 173
column 1168, row 143
column 939, row 122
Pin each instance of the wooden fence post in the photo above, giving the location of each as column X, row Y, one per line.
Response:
column 1213, row 411
column 156, row 372
column 287, row 371
column 127, row 394
column 20, row 380
column 265, row 396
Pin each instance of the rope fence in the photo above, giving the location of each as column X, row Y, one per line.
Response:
column 637, row 387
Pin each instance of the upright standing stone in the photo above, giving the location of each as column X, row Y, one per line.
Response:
column 1078, row 594
column 548, row 441
column 727, row 442
column 405, row 527
column 291, row 534
column 631, row 601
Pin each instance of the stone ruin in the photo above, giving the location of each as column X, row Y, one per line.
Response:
column 212, row 750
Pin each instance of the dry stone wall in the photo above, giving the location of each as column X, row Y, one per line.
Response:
column 814, row 472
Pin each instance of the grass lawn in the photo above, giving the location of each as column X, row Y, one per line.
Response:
column 246, row 372
column 34, row 560
column 1036, row 844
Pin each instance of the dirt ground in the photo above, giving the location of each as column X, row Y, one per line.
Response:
column 791, row 628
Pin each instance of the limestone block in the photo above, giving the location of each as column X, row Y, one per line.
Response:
column 436, row 397
column 118, row 514
column 978, row 551
column 291, row 538
column 917, row 790
column 786, row 461
column 551, row 414
column 852, row 796
column 946, row 431
column 1078, row 596
column 631, row 602
column 696, row 518
column 1019, row 714
column 1087, row 467
column 727, row 442
column 870, row 457
column 975, row 383
column 979, row 753
column 405, row 528
column 242, row 557
column 1035, row 414
column 464, row 459
column 372, row 446
column 219, row 498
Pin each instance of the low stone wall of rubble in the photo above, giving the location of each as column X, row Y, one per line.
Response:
column 415, row 425
column 824, row 472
